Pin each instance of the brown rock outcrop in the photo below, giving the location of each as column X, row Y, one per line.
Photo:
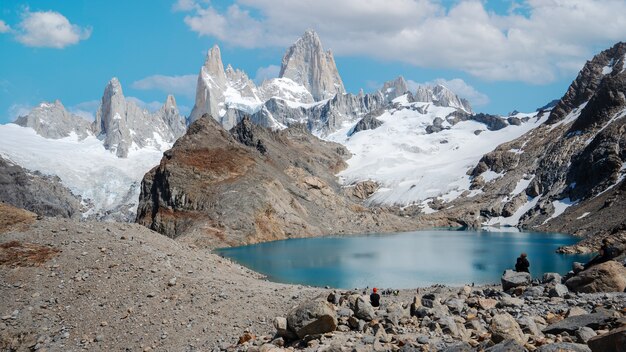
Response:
column 218, row 188
column 605, row 277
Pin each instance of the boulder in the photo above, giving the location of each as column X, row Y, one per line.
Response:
column 551, row 277
column 605, row 277
column 363, row 310
column 312, row 317
column 503, row 327
column 511, row 279
column 563, row 347
column 573, row 323
column 487, row 303
column 282, row 330
column 558, row 290
column 585, row 334
column 529, row 325
column 509, row 345
column 613, row 341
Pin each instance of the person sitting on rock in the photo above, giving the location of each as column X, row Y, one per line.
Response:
column 375, row 298
column 522, row 263
column 606, row 253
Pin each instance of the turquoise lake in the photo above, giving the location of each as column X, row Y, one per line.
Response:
column 404, row 260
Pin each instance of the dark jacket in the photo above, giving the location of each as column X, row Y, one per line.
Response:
column 375, row 299
column 522, row 265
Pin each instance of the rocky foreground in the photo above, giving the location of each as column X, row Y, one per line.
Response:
column 69, row 286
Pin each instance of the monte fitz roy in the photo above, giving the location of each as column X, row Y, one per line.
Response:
column 416, row 158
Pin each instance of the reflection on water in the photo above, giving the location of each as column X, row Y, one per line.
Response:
column 405, row 260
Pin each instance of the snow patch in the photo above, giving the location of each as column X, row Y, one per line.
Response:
column 583, row 216
column 513, row 220
column 560, row 206
column 521, row 186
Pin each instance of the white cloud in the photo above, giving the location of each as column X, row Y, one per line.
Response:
column 86, row 109
column 150, row 106
column 178, row 85
column 458, row 87
column 4, row 27
column 267, row 72
column 535, row 42
column 184, row 5
column 49, row 29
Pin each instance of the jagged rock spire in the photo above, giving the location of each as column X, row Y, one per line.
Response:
column 211, row 86
column 306, row 63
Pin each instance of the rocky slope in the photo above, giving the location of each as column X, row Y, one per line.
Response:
column 108, row 286
column 567, row 175
column 43, row 195
column 252, row 184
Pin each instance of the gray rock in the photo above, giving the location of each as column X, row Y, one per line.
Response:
column 43, row 195
column 51, row 120
column 363, row 310
column 558, row 290
column 459, row 347
column 551, row 277
column 533, row 291
column 369, row 122
column 395, row 88
column 122, row 124
column 584, row 334
column 509, row 345
column 441, row 96
column 306, row 63
column 529, row 325
column 511, row 279
column 573, row 323
column 312, row 317
column 563, row 346
column 503, row 327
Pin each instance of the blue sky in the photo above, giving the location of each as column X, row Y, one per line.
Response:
column 501, row 55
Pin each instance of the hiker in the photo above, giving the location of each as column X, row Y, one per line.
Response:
column 522, row 263
column 606, row 253
column 375, row 298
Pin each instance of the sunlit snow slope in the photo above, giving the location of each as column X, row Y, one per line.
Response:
column 411, row 165
column 106, row 183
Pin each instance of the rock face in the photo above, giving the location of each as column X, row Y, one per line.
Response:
column 123, row 125
column 211, row 86
column 504, row 327
column 570, row 170
column 395, row 88
column 51, row 120
column 312, row 318
column 43, row 195
column 605, row 277
column 281, row 184
column 306, row 63
column 369, row 122
column 441, row 96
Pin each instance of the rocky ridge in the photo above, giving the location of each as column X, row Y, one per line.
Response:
column 281, row 184
column 567, row 175
column 52, row 120
column 124, row 126
column 309, row 91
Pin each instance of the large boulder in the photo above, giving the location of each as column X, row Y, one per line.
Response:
column 613, row 341
column 503, row 327
column 605, row 277
column 311, row 318
column 511, row 279
column 573, row 323
column 363, row 310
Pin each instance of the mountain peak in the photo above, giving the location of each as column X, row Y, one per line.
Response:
column 307, row 64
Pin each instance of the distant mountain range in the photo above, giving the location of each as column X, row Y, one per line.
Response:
column 421, row 153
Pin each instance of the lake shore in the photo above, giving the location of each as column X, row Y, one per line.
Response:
column 111, row 286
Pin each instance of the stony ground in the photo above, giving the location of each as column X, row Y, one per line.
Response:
column 68, row 286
